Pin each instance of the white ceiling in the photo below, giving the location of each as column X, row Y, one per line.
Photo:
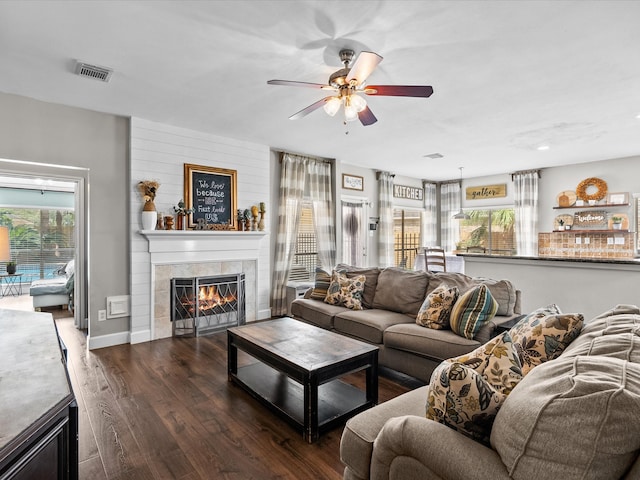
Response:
column 508, row 77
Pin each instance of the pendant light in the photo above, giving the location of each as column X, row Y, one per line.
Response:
column 461, row 215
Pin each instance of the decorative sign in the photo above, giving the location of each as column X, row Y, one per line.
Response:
column 412, row 193
column 594, row 218
column 212, row 194
column 487, row 191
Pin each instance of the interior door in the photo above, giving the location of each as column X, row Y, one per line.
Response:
column 354, row 232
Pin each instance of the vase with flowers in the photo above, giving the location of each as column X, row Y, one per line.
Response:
column 181, row 213
column 148, row 189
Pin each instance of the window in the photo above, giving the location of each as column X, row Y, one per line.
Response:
column 406, row 236
column 42, row 240
column 488, row 231
column 305, row 257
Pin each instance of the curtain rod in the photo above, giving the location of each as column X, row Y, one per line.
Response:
column 313, row 157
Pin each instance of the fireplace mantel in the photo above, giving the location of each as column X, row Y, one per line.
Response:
column 193, row 242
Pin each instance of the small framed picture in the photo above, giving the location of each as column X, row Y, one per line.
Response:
column 352, row 182
column 618, row 198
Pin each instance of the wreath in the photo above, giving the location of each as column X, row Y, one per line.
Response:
column 601, row 189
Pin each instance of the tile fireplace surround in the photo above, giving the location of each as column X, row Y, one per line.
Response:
column 191, row 254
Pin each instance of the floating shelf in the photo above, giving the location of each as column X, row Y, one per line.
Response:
column 600, row 205
column 573, row 230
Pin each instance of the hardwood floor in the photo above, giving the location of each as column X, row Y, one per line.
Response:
column 164, row 409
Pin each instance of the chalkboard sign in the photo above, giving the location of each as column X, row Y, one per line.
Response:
column 211, row 193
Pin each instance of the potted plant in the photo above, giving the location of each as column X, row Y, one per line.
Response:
column 11, row 268
column 616, row 222
column 181, row 212
column 561, row 225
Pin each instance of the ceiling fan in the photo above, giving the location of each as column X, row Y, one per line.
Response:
column 348, row 83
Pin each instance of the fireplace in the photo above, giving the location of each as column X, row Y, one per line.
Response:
column 202, row 305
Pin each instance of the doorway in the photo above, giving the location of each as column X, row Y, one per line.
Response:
column 41, row 251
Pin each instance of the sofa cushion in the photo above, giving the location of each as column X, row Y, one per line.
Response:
column 345, row 291
column 370, row 284
column 356, row 444
column 368, row 325
column 436, row 308
column 437, row 345
column 400, row 290
column 465, row 393
column 316, row 312
column 597, row 383
column 538, row 339
column 473, row 308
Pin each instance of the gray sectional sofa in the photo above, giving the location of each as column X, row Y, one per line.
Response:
column 391, row 300
column 575, row 417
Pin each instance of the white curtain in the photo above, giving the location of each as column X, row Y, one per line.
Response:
column 385, row 226
column 429, row 217
column 525, row 194
column 292, row 183
column 354, row 231
column 319, row 178
column 449, row 206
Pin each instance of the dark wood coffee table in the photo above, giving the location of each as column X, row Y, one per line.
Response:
column 298, row 369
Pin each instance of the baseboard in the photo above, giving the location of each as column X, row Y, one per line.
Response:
column 262, row 314
column 141, row 336
column 109, row 340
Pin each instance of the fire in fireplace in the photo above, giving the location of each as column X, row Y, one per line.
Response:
column 201, row 305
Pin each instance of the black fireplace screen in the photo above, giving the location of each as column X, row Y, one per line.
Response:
column 201, row 305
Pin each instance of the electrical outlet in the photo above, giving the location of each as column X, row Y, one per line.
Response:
column 587, row 241
column 102, row 315
column 578, row 240
column 609, row 240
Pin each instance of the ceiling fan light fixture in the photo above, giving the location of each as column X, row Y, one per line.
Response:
column 358, row 102
column 350, row 113
column 332, row 106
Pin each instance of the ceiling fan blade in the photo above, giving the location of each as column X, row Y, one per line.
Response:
column 306, row 111
column 399, row 90
column 367, row 117
column 364, row 65
column 290, row 83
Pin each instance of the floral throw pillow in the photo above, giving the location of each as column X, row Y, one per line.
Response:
column 436, row 309
column 472, row 310
column 466, row 393
column 346, row 291
column 538, row 338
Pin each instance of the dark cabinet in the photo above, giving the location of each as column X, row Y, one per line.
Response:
column 38, row 412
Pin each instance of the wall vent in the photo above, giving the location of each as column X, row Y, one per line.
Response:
column 93, row 71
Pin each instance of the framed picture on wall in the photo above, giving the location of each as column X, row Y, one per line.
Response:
column 621, row 198
column 211, row 193
column 352, row 182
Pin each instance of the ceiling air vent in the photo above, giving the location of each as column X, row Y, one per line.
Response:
column 434, row 155
column 93, row 71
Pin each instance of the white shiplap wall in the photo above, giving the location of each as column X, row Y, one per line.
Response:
column 159, row 152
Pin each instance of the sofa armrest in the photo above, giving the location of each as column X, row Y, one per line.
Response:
column 409, row 443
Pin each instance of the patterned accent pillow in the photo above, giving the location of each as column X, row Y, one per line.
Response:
column 345, row 291
column 436, row 309
column 473, row 309
column 466, row 393
column 538, row 338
